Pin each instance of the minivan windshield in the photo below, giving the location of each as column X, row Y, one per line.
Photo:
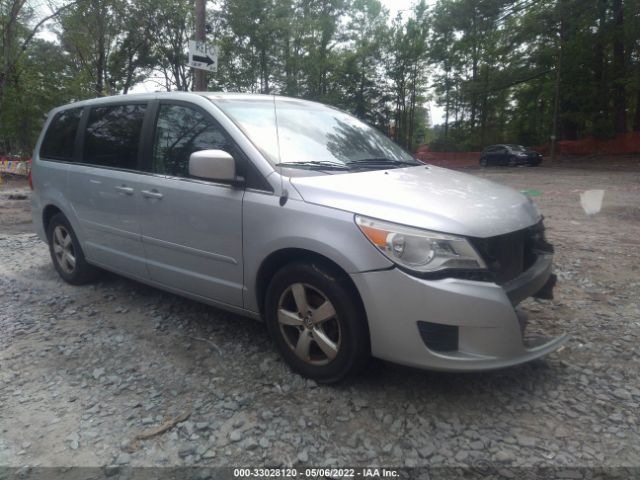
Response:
column 312, row 136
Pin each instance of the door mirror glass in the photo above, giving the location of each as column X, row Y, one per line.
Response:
column 213, row 165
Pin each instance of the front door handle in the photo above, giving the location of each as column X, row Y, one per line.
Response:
column 124, row 189
column 151, row 194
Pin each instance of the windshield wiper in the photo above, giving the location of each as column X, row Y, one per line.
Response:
column 381, row 162
column 316, row 164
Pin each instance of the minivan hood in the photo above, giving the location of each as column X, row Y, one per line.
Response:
column 427, row 197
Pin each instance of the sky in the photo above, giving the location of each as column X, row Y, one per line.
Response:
column 395, row 6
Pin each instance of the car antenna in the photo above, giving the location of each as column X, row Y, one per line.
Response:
column 284, row 194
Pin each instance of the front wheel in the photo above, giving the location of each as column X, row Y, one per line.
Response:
column 317, row 322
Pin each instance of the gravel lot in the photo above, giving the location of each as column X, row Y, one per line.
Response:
column 85, row 370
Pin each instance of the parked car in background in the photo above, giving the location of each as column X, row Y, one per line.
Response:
column 510, row 155
column 298, row 214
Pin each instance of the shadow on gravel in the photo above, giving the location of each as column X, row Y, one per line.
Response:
column 532, row 376
column 238, row 335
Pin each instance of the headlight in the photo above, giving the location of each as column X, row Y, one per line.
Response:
column 420, row 250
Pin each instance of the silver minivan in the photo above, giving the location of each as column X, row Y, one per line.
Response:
column 298, row 214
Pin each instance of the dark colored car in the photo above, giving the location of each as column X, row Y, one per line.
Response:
column 511, row 155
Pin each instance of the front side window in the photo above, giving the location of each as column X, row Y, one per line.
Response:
column 180, row 131
column 112, row 137
column 59, row 141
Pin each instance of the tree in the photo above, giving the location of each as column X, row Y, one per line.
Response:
column 407, row 50
column 108, row 41
column 169, row 24
column 17, row 35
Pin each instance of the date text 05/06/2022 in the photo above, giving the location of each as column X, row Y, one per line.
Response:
column 315, row 473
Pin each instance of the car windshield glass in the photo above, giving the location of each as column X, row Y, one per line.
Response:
column 517, row 148
column 312, row 135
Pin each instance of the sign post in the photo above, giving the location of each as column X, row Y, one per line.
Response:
column 199, row 76
column 203, row 56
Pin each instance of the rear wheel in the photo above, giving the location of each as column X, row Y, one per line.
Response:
column 66, row 253
column 316, row 322
column 483, row 162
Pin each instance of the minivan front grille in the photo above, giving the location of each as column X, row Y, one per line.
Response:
column 509, row 255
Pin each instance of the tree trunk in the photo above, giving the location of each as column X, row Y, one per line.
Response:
column 264, row 73
column 601, row 119
column 412, row 105
column 485, row 100
column 361, row 108
column 288, row 84
column 447, row 87
column 636, row 121
column 619, row 71
column 474, row 72
column 101, row 60
column 568, row 126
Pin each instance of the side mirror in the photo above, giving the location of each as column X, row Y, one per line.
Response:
column 213, row 165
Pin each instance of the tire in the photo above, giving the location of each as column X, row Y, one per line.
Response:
column 66, row 254
column 483, row 162
column 333, row 345
column 512, row 162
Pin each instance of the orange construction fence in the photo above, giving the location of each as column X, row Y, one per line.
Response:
column 624, row 144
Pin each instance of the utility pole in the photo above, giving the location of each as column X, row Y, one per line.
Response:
column 200, row 80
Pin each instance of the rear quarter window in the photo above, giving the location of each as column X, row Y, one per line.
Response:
column 60, row 138
column 112, row 136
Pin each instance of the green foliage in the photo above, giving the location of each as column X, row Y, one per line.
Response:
column 502, row 66
column 503, row 71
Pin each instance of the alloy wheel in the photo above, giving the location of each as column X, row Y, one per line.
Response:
column 63, row 249
column 309, row 324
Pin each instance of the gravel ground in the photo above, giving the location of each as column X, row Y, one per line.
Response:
column 86, row 371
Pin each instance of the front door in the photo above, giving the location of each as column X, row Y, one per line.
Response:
column 191, row 229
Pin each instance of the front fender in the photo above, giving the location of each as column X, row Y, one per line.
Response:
column 328, row 232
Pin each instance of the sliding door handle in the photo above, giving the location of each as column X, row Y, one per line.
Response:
column 124, row 189
column 151, row 194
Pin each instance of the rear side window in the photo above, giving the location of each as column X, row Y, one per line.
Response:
column 60, row 139
column 112, row 136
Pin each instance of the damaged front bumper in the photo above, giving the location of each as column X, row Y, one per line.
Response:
column 453, row 324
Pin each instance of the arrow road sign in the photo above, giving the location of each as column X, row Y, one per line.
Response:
column 208, row 60
column 203, row 56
